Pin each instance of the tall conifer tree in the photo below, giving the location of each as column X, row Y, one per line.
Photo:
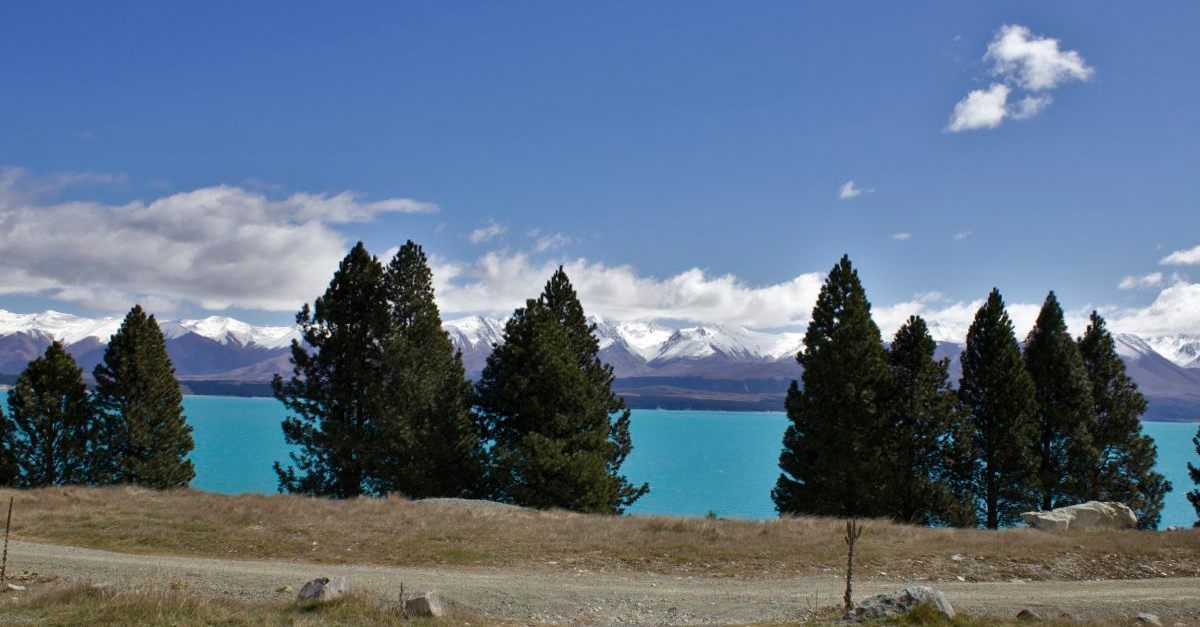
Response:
column 559, row 432
column 52, row 434
column 336, row 388
column 1194, row 473
column 145, row 437
column 9, row 470
column 998, row 396
column 1064, row 408
column 1123, row 470
column 924, row 422
column 429, row 443
column 834, row 450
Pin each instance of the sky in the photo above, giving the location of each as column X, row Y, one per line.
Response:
column 686, row 161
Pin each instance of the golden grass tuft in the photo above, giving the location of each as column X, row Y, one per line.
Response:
column 396, row 531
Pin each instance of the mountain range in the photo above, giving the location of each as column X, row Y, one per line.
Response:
column 700, row 367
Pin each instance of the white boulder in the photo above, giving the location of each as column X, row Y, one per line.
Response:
column 1090, row 516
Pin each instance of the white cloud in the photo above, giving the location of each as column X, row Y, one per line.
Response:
column 901, row 236
column 1032, row 62
column 1133, row 282
column 498, row 282
column 551, row 242
column 1021, row 60
column 1176, row 309
column 216, row 247
column 1187, row 257
column 490, row 231
column 850, row 190
column 345, row 207
column 1030, row 106
column 982, row 108
column 962, row 235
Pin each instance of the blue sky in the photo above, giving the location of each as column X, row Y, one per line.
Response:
column 657, row 139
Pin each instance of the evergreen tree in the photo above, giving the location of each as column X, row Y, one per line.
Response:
column 924, row 421
column 429, row 443
column 1194, row 473
column 8, row 462
column 559, row 432
column 145, row 437
column 1123, row 469
column 337, row 383
column 1064, row 410
column 52, row 427
column 834, row 450
column 998, row 396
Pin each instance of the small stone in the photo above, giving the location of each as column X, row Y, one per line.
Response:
column 324, row 589
column 956, row 558
column 13, row 586
column 427, row 604
column 285, row 589
column 1147, row 619
column 960, row 578
column 1029, row 615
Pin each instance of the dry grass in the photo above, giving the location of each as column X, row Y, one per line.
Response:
column 412, row 533
column 86, row 605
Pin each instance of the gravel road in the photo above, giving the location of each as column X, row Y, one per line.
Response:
column 551, row 595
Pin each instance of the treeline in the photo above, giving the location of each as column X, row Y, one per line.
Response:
column 880, row 431
column 380, row 403
column 130, row 430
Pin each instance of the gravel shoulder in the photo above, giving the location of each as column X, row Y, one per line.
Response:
column 574, row 595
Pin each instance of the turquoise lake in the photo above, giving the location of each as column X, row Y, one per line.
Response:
column 695, row 461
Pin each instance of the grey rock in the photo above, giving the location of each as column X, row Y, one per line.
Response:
column 1147, row 619
column 324, row 589
column 1029, row 615
column 425, row 604
column 902, row 601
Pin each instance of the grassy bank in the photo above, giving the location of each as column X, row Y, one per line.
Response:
column 480, row 534
column 86, row 605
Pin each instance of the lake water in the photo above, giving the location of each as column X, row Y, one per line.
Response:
column 695, row 461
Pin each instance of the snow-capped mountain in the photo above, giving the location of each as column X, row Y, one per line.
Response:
column 704, row 366
column 1184, row 349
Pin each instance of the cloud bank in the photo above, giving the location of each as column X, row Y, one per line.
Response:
column 217, row 247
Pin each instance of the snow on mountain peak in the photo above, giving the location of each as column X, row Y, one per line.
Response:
column 474, row 331
column 1183, row 349
column 222, row 329
column 64, row 327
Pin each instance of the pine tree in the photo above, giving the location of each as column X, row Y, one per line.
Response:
column 52, row 423
column 1064, row 408
column 145, row 437
column 9, row 470
column 924, row 420
column 1123, row 469
column 429, row 443
column 1194, row 473
column 834, row 450
column 337, row 383
column 998, row 396
column 559, row 432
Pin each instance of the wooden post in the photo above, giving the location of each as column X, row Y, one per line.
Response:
column 4, row 561
column 853, row 532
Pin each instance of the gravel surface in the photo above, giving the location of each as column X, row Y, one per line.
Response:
column 551, row 595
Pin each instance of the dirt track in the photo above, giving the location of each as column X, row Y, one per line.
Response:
column 575, row 596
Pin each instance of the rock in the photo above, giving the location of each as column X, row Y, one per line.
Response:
column 324, row 589
column 900, row 602
column 285, row 588
column 426, row 604
column 13, row 586
column 1029, row 615
column 1147, row 619
column 1090, row 516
